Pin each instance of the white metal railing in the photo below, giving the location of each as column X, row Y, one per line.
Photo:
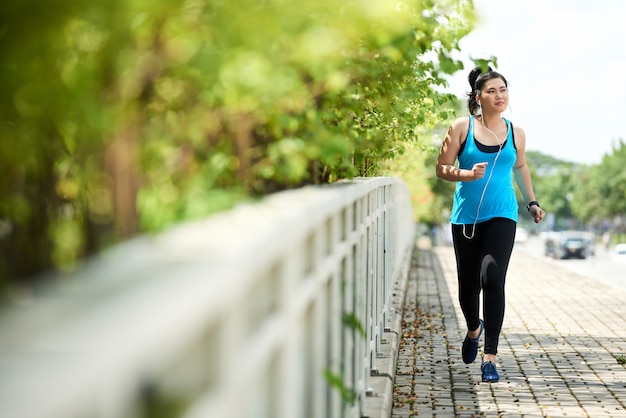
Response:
column 271, row 310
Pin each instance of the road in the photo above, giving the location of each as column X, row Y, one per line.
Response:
column 598, row 267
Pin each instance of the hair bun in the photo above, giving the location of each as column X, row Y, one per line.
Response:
column 474, row 74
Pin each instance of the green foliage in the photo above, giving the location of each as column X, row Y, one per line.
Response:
column 485, row 63
column 348, row 394
column 123, row 117
column 555, row 182
column 579, row 195
column 415, row 161
column 351, row 321
column 601, row 189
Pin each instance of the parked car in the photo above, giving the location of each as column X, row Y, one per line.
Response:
column 550, row 246
column 570, row 244
column 573, row 246
column 590, row 239
column 619, row 253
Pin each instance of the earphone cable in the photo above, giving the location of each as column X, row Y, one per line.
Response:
column 495, row 160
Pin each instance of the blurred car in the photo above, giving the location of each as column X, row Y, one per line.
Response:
column 619, row 253
column 570, row 244
column 573, row 247
column 591, row 242
column 550, row 247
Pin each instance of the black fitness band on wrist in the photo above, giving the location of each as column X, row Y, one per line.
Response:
column 531, row 204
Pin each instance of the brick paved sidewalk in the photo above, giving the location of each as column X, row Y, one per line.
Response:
column 561, row 346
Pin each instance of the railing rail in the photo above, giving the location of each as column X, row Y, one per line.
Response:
column 272, row 310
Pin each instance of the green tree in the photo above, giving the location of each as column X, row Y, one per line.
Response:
column 414, row 162
column 601, row 190
column 124, row 117
column 555, row 182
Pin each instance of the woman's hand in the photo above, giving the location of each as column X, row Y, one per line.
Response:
column 478, row 171
column 537, row 213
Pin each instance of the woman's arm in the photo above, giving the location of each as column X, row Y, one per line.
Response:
column 446, row 168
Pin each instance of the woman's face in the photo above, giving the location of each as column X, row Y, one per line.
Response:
column 495, row 95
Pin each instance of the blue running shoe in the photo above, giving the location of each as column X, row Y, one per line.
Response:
column 470, row 346
column 490, row 373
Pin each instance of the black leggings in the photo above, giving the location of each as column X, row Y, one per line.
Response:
column 482, row 262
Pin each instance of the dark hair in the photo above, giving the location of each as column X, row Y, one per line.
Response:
column 477, row 80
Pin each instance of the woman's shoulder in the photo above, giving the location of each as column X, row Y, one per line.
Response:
column 461, row 121
column 516, row 127
column 518, row 131
column 519, row 136
column 461, row 127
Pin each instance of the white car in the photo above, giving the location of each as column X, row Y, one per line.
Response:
column 619, row 253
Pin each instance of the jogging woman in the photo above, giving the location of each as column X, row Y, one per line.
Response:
column 490, row 152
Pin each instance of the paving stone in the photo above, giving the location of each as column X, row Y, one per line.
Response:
column 558, row 355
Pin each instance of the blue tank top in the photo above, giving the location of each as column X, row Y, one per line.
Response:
column 499, row 200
